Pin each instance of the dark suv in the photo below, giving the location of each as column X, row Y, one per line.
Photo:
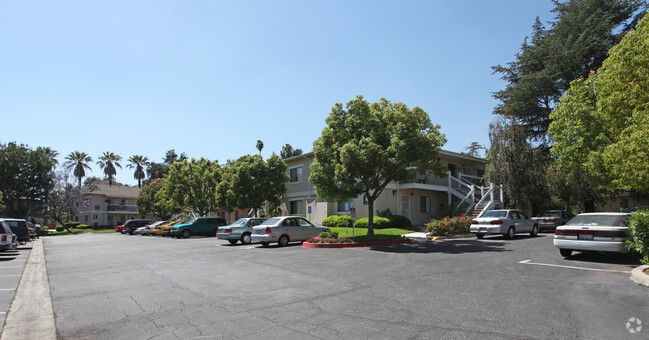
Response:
column 131, row 225
column 198, row 226
column 18, row 227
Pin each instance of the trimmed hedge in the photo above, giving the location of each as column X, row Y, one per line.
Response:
column 379, row 222
column 399, row 221
column 639, row 223
column 338, row 221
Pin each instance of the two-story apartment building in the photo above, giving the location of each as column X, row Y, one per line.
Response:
column 104, row 205
column 417, row 198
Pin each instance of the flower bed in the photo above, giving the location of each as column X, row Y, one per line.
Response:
column 318, row 239
column 448, row 226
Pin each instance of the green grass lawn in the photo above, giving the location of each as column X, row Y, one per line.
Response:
column 53, row 232
column 360, row 234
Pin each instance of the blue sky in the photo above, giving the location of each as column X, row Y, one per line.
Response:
column 210, row 78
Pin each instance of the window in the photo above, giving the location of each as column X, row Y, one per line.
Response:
column 295, row 174
column 295, row 207
column 94, row 217
column 96, row 207
column 345, row 206
column 425, row 204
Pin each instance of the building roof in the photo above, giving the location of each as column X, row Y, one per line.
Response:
column 114, row 191
column 441, row 152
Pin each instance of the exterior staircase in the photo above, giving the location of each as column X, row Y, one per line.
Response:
column 474, row 198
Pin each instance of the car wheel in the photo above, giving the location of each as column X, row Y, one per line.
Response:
column 265, row 244
column 233, row 242
column 479, row 235
column 186, row 233
column 283, row 241
column 535, row 231
column 565, row 252
column 510, row 233
column 245, row 239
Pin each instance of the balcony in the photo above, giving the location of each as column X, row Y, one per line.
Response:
column 122, row 208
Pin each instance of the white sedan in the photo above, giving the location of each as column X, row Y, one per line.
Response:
column 506, row 222
column 605, row 232
column 285, row 229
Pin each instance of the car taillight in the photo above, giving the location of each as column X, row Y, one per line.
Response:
column 549, row 220
column 565, row 232
column 4, row 238
column 228, row 230
column 474, row 222
column 496, row 222
column 268, row 231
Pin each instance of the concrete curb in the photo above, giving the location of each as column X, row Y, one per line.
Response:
column 352, row 245
column 639, row 277
column 31, row 315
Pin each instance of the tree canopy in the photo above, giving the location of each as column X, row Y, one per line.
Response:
column 63, row 201
column 110, row 162
column 147, row 203
column 602, row 122
column 366, row 146
column 288, row 151
column 191, row 185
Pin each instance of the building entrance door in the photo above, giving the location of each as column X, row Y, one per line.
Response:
column 404, row 209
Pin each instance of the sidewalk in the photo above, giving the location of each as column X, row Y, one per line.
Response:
column 31, row 315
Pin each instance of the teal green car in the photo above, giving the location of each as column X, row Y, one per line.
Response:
column 240, row 230
column 197, row 226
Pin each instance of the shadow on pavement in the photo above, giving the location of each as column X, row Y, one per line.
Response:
column 595, row 257
column 453, row 246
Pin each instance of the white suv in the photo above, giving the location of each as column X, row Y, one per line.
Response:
column 6, row 237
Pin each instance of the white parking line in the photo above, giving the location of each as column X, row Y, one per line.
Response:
column 2, row 289
column 573, row 267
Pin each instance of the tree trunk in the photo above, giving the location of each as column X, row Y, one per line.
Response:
column 370, row 221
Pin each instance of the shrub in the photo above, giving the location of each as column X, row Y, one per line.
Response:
column 448, row 210
column 639, row 223
column 379, row 222
column 449, row 226
column 60, row 228
column 83, row 226
column 44, row 231
column 339, row 221
column 399, row 221
column 72, row 224
column 328, row 234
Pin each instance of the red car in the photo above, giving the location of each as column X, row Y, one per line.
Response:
column 119, row 229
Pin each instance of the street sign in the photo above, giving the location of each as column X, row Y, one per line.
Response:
column 352, row 212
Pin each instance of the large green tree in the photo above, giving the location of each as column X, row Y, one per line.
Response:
column 26, row 177
column 191, row 186
column 576, row 42
column 109, row 162
column 147, row 203
column 77, row 161
column 251, row 182
column 156, row 170
column 288, row 151
column 602, row 122
column 64, row 200
column 138, row 162
column 366, row 146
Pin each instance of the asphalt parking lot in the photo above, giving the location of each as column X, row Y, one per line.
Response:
column 112, row 286
column 12, row 263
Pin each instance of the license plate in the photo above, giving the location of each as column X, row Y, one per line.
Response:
column 588, row 237
column 483, row 229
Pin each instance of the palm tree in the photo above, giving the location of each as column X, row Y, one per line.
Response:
column 108, row 162
column 51, row 155
column 138, row 162
column 79, row 161
column 260, row 145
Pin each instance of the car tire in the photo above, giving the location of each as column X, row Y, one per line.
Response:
column 246, row 239
column 535, row 231
column 233, row 242
column 510, row 233
column 283, row 241
column 565, row 252
column 479, row 235
column 265, row 244
column 186, row 233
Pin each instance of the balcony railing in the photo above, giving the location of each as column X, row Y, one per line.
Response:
column 121, row 208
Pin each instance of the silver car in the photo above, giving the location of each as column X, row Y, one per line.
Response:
column 240, row 230
column 285, row 229
column 506, row 222
column 605, row 232
column 551, row 219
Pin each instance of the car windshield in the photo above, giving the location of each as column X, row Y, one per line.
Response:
column 494, row 213
column 550, row 214
column 599, row 220
column 239, row 222
column 271, row 221
column 192, row 221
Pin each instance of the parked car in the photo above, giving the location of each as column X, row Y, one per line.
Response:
column 119, row 229
column 197, row 226
column 148, row 229
column 18, row 227
column 240, row 230
column 507, row 222
column 285, row 229
column 131, row 225
column 551, row 219
column 7, row 237
column 603, row 232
